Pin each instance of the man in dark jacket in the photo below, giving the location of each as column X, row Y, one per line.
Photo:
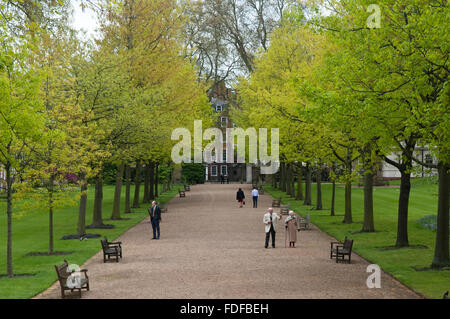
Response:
column 155, row 219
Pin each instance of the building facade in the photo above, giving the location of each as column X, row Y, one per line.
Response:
column 221, row 98
column 388, row 172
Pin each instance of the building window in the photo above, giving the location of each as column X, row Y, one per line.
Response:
column 224, row 170
column 224, row 156
column 428, row 159
column 214, row 170
column 219, row 108
column 224, row 121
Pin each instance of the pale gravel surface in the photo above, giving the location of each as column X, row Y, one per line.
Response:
column 210, row 248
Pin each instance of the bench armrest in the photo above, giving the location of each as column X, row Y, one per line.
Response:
column 336, row 243
column 115, row 243
column 84, row 271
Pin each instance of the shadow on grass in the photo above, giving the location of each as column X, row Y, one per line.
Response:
column 431, row 268
column 56, row 253
column 84, row 237
column 342, row 223
column 336, row 215
column 360, row 232
column 396, row 248
column 101, row 227
column 17, row 276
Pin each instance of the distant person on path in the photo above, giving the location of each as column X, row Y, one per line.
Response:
column 240, row 197
column 270, row 220
column 155, row 219
column 222, row 179
column 291, row 228
column 255, row 195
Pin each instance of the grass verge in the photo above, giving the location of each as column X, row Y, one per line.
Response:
column 30, row 234
column 376, row 247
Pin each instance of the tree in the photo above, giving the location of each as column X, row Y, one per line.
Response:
column 399, row 69
column 223, row 36
column 20, row 119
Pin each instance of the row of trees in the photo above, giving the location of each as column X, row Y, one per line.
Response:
column 346, row 94
column 70, row 106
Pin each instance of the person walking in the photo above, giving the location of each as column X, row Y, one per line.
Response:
column 222, row 179
column 155, row 219
column 270, row 220
column 255, row 195
column 292, row 228
column 240, row 196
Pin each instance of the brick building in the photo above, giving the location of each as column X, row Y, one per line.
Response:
column 221, row 98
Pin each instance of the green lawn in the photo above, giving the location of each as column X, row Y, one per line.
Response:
column 398, row 262
column 30, row 234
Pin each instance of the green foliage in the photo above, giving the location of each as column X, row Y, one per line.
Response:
column 164, row 173
column 193, row 173
column 109, row 173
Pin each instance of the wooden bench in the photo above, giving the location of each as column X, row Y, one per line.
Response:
column 339, row 250
column 187, row 188
column 284, row 209
column 63, row 276
column 276, row 202
column 113, row 249
column 304, row 222
column 182, row 193
column 164, row 209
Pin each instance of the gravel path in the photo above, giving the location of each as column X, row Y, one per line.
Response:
column 210, row 248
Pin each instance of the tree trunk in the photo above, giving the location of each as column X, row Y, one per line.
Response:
column 319, row 188
column 288, row 178
column 274, row 180
column 50, row 215
column 151, row 187
column 348, row 219
column 137, row 185
column 348, row 203
column 169, row 182
column 156, row 180
column 441, row 252
column 97, row 218
column 291, row 180
column 308, row 200
column 283, row 177
column 117, row 193
column 403, row 202
column 83, row 203
column 333, row 198
column 9, row 255
column 299, row 195
column 293, row 185
column 368, row 224
column 146, row 184
column 128, row 189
